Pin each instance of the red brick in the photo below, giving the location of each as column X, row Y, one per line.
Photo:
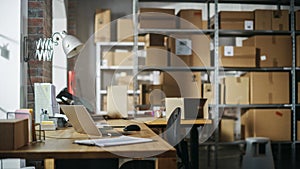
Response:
column 35, row 21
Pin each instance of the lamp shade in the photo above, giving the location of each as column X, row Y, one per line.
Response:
column 71, row 46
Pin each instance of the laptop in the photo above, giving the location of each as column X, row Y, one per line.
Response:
column 82, row 122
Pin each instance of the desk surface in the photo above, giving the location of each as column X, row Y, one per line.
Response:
column 59, row 145
column 150, row 121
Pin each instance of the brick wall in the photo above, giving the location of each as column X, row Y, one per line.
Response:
column 39, row 26
column 71, row 24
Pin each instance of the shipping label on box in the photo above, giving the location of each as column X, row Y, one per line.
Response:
column 183, row 46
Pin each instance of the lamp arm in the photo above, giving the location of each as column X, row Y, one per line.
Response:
column 56, row 37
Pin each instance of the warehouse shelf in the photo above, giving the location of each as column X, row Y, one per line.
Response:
column 108, row 44
column 259, row 2
column 257, row 69
column 248, row 33
column 167, row 68
column 255, row 106
column 130, row 92
column 116, row 67
column 176, row 31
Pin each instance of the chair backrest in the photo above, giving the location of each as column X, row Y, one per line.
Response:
column 174, row 137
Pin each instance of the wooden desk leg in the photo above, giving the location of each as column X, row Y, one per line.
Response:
column 194, row 147
column 49, row 164
column 163, row 163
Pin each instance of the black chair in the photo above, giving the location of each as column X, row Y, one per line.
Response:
column 174, row 137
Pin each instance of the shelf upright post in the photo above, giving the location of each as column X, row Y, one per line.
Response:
column 98, row 76
column 216, row 80
column 135, row 52
column 294, row 118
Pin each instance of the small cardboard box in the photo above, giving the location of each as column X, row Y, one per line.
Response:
column 275, row 51
column 269, row 87
column 227, row 130
column 14, row 133
column 232, row 56
column 151, row 94
column 272, row 123
column 191, row 108
column 117, row 58
column 152, row 39
column 125, row 31
column 236, row 90
column 297, row 16
column 102, row 25
column 157, row 18
column 298, row 51
column 208, row 93
column 190, row 19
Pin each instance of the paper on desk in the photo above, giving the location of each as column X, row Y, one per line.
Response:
column 113, row 141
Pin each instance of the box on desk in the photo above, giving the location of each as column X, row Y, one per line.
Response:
column 14, row 133
column 191, row 108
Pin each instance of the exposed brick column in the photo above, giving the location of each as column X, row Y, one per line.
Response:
column 39, row 26
column 72, row 25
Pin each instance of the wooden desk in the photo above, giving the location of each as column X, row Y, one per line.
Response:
column 59, row 145
column 194, row 135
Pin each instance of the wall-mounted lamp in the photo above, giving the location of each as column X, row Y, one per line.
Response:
column 44, row 46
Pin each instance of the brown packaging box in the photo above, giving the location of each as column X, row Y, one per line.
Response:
column 298, row 51
column 151, row 94
column 157, row 18
column 272, row 123
column 231, row 56
column 125, row 31
column 236, row 90
column 187, row 51
column 235, row 20
column 275, row 51
column 297, row 24
column 190, row 19
column 155, row 40
column 207, row 93
column 102, row 25
column 156, row 56
column 118, row 58
column 271, row 19
column 269, row 87
column 14, row 133
column 227, row 128
column 181, row 84
column 298, row 130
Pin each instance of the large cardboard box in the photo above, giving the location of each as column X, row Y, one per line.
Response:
column 190, row 19
column 181, row 84
column 157, row 18
column 102, row 25
column 272, row 123
column 191, row 108
column 151, row 94
column 275, row 51
column 187, row 51
column 14, row 133
column 236, row 90
column 232, row 56
column 235, row 20
column 156, row 56
column 269, row 87
column 271, row 19
column 125, row 31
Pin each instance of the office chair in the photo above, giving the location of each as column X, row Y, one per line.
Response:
column 174, row 138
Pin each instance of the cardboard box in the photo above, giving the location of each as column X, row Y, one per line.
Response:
column 236, row 90
column 157, row 18
column 298, row 130
column 227, row 130
column 191, row 108
column 14, row 133
column 232, row 56
column 271, row 19
column 186, row 51
column 151, row 94
column 181, row 84
column 102, row 25
column 272, row 123
column 208, row 93
column 156, row 56
column 152, row 39
column 125, row 31
column 269, row 87
column 298, row 93
column 297, row 17
column 190, row 19
column 235, row 20
column 117, row 58
column 125, row 81
column 298, row 51
column 275, row 51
